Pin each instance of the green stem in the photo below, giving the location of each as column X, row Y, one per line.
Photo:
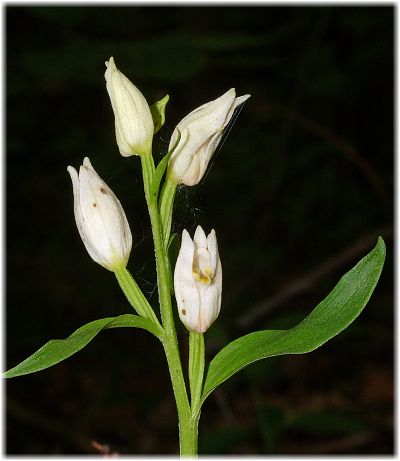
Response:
column 187, row 433
column 148, row 170
column 188, row 425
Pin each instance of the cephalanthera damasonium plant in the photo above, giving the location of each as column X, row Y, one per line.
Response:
column 196, row 279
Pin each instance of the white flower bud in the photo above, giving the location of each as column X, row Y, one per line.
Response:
column 201, row 131
column 198, row 280
column 134, row 126
column 100, row 218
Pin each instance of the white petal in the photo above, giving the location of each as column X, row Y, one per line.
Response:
column 186, row 293
column 98, row 214
column 75, row 187
column 79, row 219
column 212, row 246
column 193, row 174
column 200, row 238
column 241, row 99
column 179, row 164
column 208, row 151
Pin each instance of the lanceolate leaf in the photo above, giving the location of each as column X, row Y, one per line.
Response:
column 57, row 350
column 161, row 167
column 159, row 173
column 330, row 317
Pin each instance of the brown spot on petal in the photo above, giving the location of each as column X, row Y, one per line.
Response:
column 103, row 190
column 95, row 205
column 183, row 312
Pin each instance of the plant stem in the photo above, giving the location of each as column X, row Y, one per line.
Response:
column 148, row 170
column 187, row 426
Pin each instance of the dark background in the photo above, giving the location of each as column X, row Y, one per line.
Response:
column 298, row 193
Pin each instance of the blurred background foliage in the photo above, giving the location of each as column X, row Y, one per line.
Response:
column 298, row 192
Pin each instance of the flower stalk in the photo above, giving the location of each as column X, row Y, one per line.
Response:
column 135, row 296
column 196, row 369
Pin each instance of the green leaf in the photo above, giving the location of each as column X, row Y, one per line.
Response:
column 57, row 350
column 161, row 167
column 158, row 113
column 159, row 173
column 330, row 317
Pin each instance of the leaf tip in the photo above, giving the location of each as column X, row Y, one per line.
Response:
column 380, row 247
column 381, row 242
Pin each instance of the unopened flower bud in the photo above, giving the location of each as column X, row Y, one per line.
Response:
column 100, row 218
column 198, row 280
column 134, row 126
column 200, row 131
